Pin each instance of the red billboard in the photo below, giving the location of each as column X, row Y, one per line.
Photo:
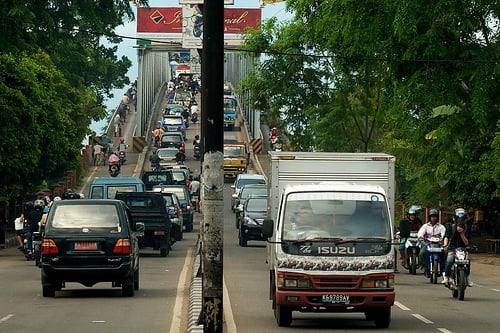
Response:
column 161, row 22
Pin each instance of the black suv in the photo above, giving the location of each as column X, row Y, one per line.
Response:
column 251, row 219
column 151, row 209
column 90, row 241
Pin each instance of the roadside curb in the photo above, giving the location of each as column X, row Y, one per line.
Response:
column 195, row 295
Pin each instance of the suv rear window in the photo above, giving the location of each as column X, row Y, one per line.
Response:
column 87, row 218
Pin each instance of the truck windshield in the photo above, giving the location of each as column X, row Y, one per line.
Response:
column 233, row 151
column 336, row 216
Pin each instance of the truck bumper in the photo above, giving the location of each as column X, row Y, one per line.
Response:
column 310, row 301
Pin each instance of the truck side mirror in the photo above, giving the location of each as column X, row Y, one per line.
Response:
column 267, row 228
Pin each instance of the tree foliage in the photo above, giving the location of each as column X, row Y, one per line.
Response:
column 55, row 73
column 412, row 78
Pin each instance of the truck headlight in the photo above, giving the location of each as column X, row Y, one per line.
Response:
column 293, row 281
column 378, row 282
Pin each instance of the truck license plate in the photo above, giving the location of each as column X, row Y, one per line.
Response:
column 336, row 299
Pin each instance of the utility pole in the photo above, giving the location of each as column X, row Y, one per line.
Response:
column 212, row 105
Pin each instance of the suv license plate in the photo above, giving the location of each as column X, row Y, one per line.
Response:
column 85, row 246
column 336, row 299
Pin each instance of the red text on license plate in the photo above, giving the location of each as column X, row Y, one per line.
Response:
column 85, row 246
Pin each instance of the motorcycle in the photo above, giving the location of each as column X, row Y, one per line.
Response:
column 459, row 270
column 412, row 249
column 114, row 170
column 121, row 156
column 37, row 248
column 272, row 141
column 435, row 256
column 194, row 117
column 197, row 152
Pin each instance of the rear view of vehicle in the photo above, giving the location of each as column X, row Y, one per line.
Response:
column 90, row 241
column 150, row 209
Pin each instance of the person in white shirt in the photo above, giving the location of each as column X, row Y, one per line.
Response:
column 429, row 229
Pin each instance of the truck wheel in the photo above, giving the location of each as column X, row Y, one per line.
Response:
column 283, row 316
column 382, row 317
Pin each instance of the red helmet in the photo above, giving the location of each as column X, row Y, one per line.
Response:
column 122, row 139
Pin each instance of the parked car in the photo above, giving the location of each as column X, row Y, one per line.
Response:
column 89, row 241
column 184, row 198
column 171, row 139
column 245, row 179
column 251, row 219
column 167, row 156
column 244, row 193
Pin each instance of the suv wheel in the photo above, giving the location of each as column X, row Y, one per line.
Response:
column 164, row 251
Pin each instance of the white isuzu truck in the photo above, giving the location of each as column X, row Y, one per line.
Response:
column 330, row 234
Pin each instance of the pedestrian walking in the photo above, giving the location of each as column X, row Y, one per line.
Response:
column 98, row 153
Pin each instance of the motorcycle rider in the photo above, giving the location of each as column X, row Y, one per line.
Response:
column 33, row 218
column 409, row 223
column 180, row 157
column 113, row 160
column 429, row 229
column 157, row 133
column 455, row 237
column 155, row 160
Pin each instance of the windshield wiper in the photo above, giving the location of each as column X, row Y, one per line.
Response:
column 314, row 239
column 361, row 239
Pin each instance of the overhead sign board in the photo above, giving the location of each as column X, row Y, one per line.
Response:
column 168, row 22
column 200, row 2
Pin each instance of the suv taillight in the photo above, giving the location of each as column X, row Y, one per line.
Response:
column 49, row 247
column 122, row 246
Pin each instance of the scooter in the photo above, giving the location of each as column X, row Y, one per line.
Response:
column 194, row 117
column 197, row 152
column 434, row 252
column 459, row 270
column 273, row 139
column 412, row 249
column 121, row 156
column 114, row 170
column 37, row 248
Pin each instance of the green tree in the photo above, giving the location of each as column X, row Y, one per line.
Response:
column 42, row 122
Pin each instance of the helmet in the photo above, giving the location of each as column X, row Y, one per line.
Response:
column 433, row 212
column 39, row 204
column 57, row 198
column 29, row 205
column 122, row 139
column 196, row 136
column 412, row 212
column 460, row 212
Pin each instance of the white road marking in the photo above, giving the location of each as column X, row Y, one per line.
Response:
column 7, row 317
column 422, row 318
column 175, row 325
column 401, row 306
column 496, row 290
column 444, row 330
column 228, row 311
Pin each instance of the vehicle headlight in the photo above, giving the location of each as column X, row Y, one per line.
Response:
column 293, row 281
column 382, row 282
